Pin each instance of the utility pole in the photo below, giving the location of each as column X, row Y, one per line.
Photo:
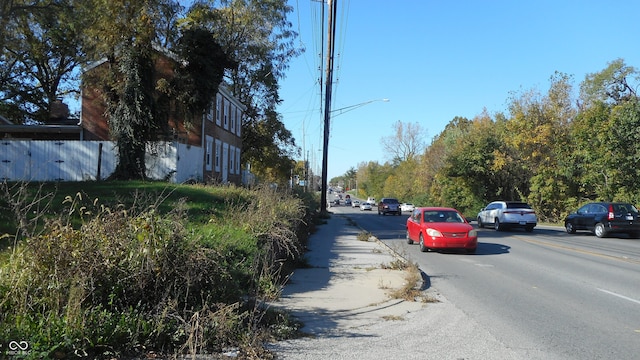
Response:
column 331, row 33
column 306, row 173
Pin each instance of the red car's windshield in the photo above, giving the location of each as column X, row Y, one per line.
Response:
column 442, row 216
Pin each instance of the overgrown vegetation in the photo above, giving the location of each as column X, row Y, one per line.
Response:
column 121, row 269
column 364, row 235
column 410, row 290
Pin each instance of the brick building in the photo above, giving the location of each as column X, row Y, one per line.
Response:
column 218, row 132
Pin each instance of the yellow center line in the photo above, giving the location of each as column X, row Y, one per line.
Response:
column 587, row 252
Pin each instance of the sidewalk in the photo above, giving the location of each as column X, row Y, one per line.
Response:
column 345, row 286
column 343, row 300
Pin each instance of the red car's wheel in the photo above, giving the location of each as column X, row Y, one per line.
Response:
column 422, row 247
column 409, row 241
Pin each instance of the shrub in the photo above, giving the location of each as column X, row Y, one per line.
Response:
column 108, row 281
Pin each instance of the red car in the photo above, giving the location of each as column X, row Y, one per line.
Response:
column 439, row 228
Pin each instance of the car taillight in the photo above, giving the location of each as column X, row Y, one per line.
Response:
column 520, row 212
column 611, row 214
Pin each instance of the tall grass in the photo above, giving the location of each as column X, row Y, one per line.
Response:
column 144, row 270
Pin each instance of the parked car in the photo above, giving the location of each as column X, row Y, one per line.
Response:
column 508, row 214
column 407, row 207
column 604, row 218
column 389, row 205
column 439, row 228
column 365, row 206
column 355, row 203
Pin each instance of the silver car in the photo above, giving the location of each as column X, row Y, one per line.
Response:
column 407, row 207
column 365, row 206
column 508, row 214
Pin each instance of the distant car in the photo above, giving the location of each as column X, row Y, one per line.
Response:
column 604, row 218
column 355, row 203
column 347, row 202
column 336, row 202
column 389, row 205
column 371, row 200
column 365, row 206
column 407, row 207
column 508, row 214
column 439, row 228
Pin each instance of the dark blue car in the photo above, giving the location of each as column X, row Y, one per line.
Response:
column 604, row 218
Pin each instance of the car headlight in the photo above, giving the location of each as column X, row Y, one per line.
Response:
column 434, row 233
column 473, row 233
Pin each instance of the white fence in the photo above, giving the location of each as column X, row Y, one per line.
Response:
column 62, row 160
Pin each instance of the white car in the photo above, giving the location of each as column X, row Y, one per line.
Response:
column 407, row 207
column 507, row 214
column 365, row 206
column 355, row 203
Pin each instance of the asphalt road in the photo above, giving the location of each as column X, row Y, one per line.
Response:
column 545, row 292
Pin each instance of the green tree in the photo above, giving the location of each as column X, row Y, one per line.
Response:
column 605, row 134
column 373, row 179
column 400, row 183
column 138, row 100
column 258, row 35
column 40, row 58
column 589, row 158
column 624, row 149
column 616, row 83
column 131, row 113
column 269, row 138
column 198, row 81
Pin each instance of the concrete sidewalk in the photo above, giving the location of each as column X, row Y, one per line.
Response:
column 347, row 284
column 343, row 300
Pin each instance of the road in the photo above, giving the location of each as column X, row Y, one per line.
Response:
column 545, row 292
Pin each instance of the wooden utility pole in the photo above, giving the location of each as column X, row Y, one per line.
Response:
column 331, row 33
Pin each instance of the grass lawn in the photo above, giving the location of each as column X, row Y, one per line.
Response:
column 60, row 197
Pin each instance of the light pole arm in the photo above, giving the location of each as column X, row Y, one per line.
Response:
column 353, row 107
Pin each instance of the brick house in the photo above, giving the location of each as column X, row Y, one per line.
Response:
column 218, row 132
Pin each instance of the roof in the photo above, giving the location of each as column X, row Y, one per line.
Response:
column 435, row 208
column 49, row 129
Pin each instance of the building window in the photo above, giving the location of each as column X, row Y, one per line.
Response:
column 209, row 112
column 208, row 162
column 233, row 119
column 226, row 115
column 232, row 159
column 218, row 108
column 238, row 161
column 239, row 124
column 218, row 154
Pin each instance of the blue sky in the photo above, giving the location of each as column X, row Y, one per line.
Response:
column 435, row 60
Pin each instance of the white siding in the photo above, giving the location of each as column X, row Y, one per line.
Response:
column 31, row 160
